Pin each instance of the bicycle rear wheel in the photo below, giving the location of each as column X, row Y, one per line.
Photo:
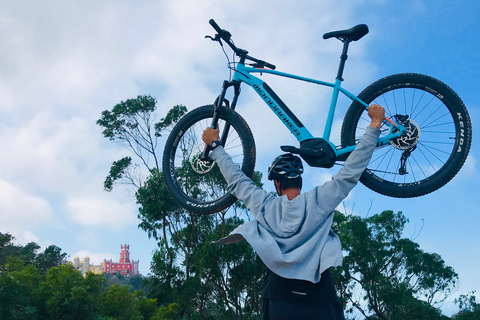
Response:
column 438, row 135
column 199, row 185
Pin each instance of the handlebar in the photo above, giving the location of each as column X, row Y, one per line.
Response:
column 224, row 35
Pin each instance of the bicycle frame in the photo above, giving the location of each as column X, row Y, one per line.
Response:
column 288, row 118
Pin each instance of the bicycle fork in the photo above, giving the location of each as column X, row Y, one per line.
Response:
column 220, row 101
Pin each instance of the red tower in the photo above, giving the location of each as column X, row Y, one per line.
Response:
column 125, row 255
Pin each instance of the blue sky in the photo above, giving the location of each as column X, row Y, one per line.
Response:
column 63, row 63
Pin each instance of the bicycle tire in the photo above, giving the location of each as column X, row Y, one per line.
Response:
column 440, row 131
column 199, row 186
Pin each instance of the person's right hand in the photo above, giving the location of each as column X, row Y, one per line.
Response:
column 377, row 115
column 210, row 135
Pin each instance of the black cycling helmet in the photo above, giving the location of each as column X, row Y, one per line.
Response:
column 286, row 165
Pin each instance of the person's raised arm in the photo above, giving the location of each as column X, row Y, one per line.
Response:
column 243, row 187
column 334, row 191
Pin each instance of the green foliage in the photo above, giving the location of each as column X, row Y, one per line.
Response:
column 117, row 171
column 469, row 307
column 169, row 312
column 171, row 118
column 132, row 282
column 15, row 257
column 118, row 303
column 156, row 205
column 131, row 124
column 121, row 123
column 147, row 308
column 6, row 243
column 63, row 293
column 392, row 272
column 66, row 294
column 51, row 257
column 19, row 293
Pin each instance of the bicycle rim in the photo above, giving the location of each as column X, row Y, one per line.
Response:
column 199, row 185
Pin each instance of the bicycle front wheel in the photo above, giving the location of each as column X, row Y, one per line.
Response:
column 435, row 146
column 199, row 185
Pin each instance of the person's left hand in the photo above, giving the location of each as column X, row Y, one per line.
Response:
column 377, row 114
column 210, row 135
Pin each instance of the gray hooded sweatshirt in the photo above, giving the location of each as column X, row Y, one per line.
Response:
column 294, row 237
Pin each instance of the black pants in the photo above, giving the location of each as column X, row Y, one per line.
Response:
column 300, row 300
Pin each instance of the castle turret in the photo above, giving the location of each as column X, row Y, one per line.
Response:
column 86, row 265
column 124, row 254
column 76, row 263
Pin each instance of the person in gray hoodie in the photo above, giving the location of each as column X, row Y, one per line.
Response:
column 292, row 233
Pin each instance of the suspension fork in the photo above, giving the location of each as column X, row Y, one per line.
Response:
column 220, row 101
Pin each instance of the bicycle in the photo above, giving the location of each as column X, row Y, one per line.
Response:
column 425, row 137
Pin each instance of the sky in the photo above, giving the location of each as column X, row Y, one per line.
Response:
column 63, row 62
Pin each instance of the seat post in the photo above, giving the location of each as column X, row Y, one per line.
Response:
column 343, row 58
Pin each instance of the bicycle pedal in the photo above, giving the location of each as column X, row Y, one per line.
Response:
column 290, row 149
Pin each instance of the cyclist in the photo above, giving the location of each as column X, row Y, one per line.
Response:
column 292, row 233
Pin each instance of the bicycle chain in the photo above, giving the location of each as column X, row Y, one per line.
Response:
column 373, row 170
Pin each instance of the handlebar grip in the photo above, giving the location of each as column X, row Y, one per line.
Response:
column 271, row 66
column 215, row 26
column 224, row 34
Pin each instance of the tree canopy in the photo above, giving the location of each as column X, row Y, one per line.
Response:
column 395, row 277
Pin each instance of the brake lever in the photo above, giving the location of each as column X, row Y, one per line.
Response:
column 258, row 65
column 217, row 37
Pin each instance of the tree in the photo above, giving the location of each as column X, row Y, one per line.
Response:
column 397, row 279
column 131, row 124
column 15, row 257
column 51, row 257
column 6, row 243
column 469, row 307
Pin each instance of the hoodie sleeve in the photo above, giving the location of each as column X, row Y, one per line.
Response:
column 334, row 191
column 243, row 187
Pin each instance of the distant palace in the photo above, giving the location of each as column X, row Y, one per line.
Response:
column 124, row 266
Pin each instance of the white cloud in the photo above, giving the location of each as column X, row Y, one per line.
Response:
column 21, row 212
column 101, row 211
column 18, row 207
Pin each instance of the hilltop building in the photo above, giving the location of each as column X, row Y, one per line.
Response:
column 125, row 266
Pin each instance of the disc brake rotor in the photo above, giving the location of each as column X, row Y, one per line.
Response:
column 410, row 139
column 198, row 165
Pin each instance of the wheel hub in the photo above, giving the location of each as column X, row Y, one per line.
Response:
column 410, row 138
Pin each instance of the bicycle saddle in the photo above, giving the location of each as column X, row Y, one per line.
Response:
column 352, row 34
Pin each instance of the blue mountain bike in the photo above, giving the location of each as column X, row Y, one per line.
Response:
column 424, row 142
